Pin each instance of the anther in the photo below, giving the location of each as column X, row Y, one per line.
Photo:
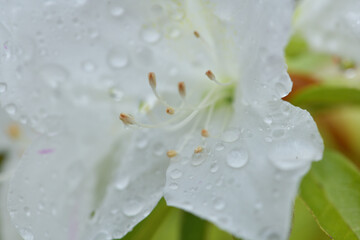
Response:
column 127, row 119
column 196, row 33
column 171, row 153
column 170, row 111
column 182, row 89
column 204, row 133
column 14, row 131
column 198, row 149
column 152, row 80
column 210, row 75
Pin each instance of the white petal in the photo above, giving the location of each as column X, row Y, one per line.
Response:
column 135, row 187
column 246, row 182
column 259, row 31
column 62, row 53
column 331, row 26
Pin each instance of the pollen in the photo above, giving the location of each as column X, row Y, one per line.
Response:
column 170, row 111
column 198, row 149
column 152, row 80
column 127, row 119
column 210, row 75
column 13, row 131
column 196, row 33
column 182, row 89
column 171, row 153
column 204, row 133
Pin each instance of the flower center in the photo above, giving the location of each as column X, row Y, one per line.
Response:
column 220, row 95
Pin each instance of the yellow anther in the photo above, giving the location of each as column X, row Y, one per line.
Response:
column 152, row 80
column 204, row 133
column 127, row 119
column 196, row 33
column 198, row 149
column 182, row 89
column 210, row 75
column 170, row 111
column 171, row 153
column 13, row 131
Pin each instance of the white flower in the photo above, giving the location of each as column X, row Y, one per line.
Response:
column 331, row 26
column 223, row 146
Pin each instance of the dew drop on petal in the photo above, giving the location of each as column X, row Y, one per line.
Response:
column 141, row 142
column 132, row 207
column 237, row 158
column 150, row 35
column 219, row 146
column 27, row 211
column 11, row 109
column 198, row 158
column 122, row 183
column 173, row 186
column 26, row 234
column 117, row 58
column 158, row 149
column 3, row 87
column 116, row 94
column 116, row 11
column 175, row 174
column 88, row 66
column 214, row 167
column 231, row 135
column 219, row 204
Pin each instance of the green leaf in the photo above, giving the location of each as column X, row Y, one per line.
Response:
column 332, row 191
column 303, row 219
column 193, row 228
column 322, row 97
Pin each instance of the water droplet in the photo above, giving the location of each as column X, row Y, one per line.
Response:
column 3, row 87
column 150, row 35
column 53, row 75
column 116, row 94
column 199, row 158
column 27, row 211
column 102, row 236
column 158, row 149
column 141, row 142
column 214, row 167
column 268, row 120
column 219, row 204
column 268, row 234
column 122, row 183
column 237, row 158
column 173, row 186
column 26, row 234
column 219, row 147
column 132, row 207
column 231, row 135
column 11, row 108
column 178, row 14
column 281, row 89
column 116, row 11
column 175, row 174
column 41, row 206
column 117, row 58
column 88, row 66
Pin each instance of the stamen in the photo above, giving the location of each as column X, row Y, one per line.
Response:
column 198, row 149
column 14, row 131
column 171, row 153
column 127, row 119
column 182, row 89
column 204, row 133
column 170, row 111
column 152, row 80
column 212, row 77
column 196, row 33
